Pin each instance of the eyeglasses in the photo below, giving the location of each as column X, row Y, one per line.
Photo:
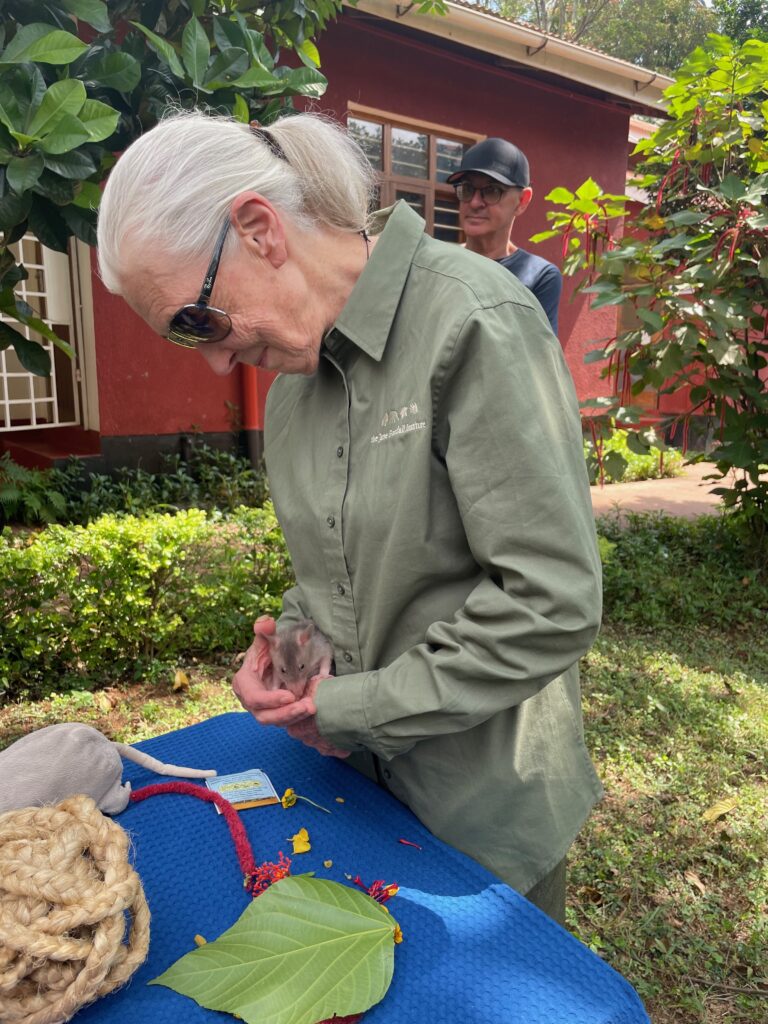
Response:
column 490, row 194
column 199, row 323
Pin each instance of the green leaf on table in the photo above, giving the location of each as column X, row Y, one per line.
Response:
column 302, row 951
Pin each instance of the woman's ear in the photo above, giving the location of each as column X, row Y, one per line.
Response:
column 259, row 227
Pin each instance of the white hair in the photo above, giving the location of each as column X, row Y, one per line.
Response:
column 174, row 185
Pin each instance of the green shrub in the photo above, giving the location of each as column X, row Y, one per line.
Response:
column 209, row 479
column 28, row 496
column 87, row 604
column 623, row 463
column 661, row 570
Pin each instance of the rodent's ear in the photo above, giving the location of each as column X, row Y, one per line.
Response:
column 302, row 638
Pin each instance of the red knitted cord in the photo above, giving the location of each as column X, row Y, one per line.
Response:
column 238, row 833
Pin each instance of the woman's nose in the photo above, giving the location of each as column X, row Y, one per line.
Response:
column 218, row 358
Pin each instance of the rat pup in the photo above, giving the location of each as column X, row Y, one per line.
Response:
column 298, row 653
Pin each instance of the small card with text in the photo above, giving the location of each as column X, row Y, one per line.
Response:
column 244, row 789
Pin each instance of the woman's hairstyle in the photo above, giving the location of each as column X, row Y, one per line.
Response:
column 174, row 185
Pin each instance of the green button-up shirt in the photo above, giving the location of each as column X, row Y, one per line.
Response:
column 431, row 485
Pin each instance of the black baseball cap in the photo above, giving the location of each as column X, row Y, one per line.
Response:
column 499, row 159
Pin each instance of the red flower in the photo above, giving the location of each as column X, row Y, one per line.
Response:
column 378, row 890
column 265, row 874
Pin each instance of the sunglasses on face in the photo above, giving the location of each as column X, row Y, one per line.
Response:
column 490, row 194
column 198, row 323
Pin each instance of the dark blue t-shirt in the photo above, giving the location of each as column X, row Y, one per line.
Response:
column 539, row 276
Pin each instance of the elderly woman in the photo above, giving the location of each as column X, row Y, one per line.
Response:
column 425, row 458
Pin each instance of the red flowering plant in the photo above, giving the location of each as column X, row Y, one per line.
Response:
column 689, row 272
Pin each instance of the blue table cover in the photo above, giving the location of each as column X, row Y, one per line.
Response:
column 474, row 950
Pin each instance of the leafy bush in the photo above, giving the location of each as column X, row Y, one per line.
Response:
column 661, row 571
column 210, row 479
column 27, row 495
column 621, row 460
column 99, row 602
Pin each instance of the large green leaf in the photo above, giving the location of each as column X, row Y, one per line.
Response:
column 305, row 949
column 99, row 119
column 227, row 66
column 48, row 225
column 37, row 43
column 68, row 134
column 257, row 77
column 81, row 222
column 93, row 12
column 75, row 165
column 195, row 50
column 65, row 97
column 33, row 357
column 162, row 48
column 60, row 191
column 23, row 172
column 303, row 81
column 21, row 91
column 118, row 71
column 13, row 210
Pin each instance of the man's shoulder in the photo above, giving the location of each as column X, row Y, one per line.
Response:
column 471, row 279
column 528, row 266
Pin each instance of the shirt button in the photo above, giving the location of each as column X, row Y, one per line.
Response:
column 347, row 656
column 331, row 521
column 387, row 773
column 340, row 589
column 339, row 451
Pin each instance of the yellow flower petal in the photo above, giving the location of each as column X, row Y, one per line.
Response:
column 200, row 941
column 289, row 798
column 339, row 799
column 300, row 841
column 398, row 936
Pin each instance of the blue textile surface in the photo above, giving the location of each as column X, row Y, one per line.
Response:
column 474, row 951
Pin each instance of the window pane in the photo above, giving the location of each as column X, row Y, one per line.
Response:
column 447, row 219
column 410, row 154
column 449, row 154
column 368, row 135
column 414, row 199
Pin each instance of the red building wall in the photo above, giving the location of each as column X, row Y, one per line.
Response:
column 149, row 387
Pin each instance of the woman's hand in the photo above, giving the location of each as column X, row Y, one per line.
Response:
column 255, row 688
column 306, row 731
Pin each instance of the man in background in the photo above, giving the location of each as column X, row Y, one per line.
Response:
column 493, row 186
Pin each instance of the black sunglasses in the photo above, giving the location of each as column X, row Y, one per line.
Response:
column 491, row 194
column 198, row 323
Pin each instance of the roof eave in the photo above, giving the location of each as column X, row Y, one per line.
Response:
column 510, row 41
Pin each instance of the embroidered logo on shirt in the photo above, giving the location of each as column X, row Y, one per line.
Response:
column 394, row 422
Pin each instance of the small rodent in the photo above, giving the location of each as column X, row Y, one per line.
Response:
column 299, row 652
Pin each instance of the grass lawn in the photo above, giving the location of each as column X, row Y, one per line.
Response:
column 676, row 722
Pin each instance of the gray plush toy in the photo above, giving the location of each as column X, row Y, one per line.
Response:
column 63, row 760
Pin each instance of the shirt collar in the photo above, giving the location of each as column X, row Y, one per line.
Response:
column 366, row 319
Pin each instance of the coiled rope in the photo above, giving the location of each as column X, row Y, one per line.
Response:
column 67, row 897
